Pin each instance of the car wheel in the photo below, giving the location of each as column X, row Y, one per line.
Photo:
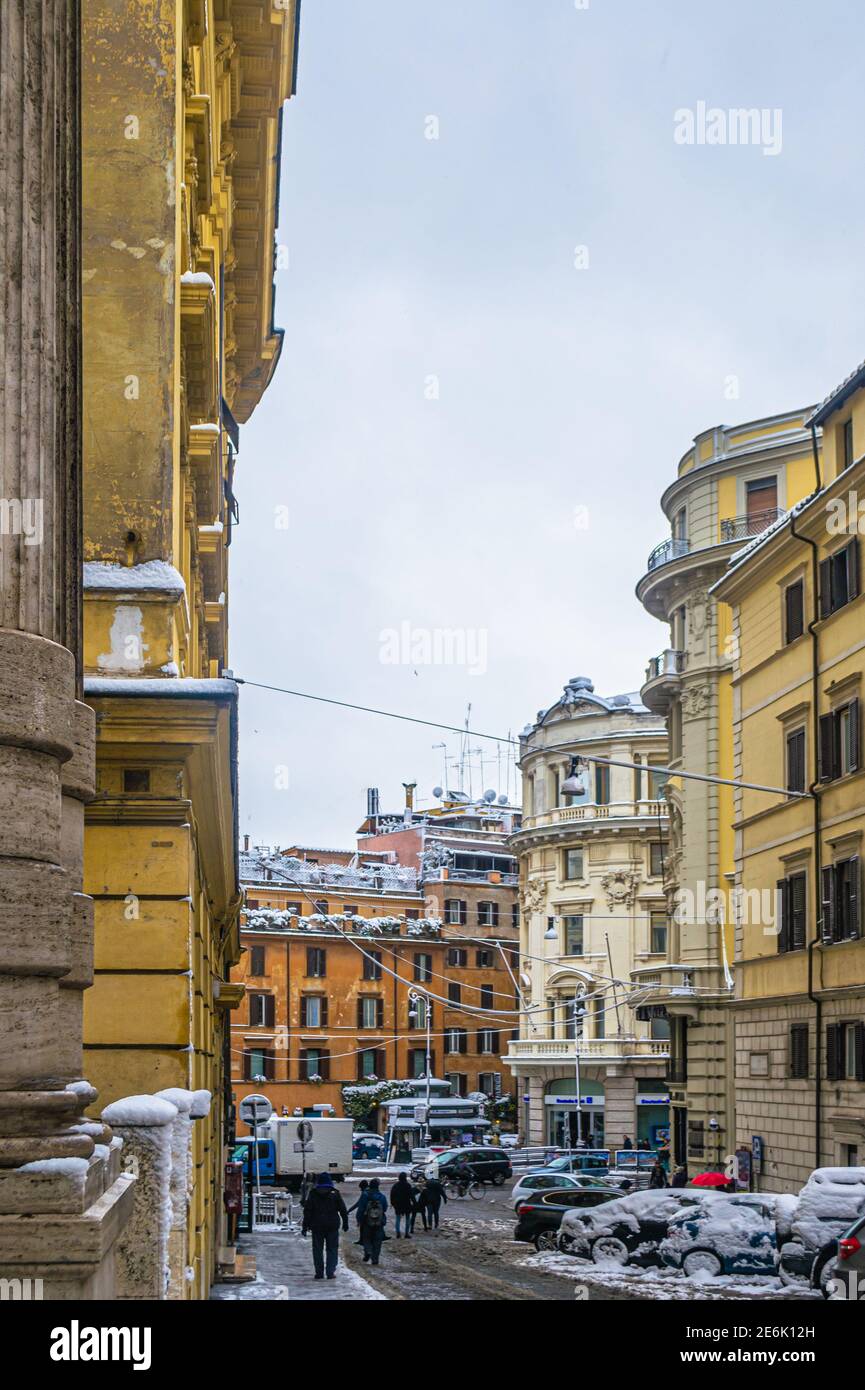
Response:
column 546, row 1240
column 702, row 1262
column 824, row 1274
column 790, row 1279
column 564, row 1244
column 498, row 1179
column 610, row 1250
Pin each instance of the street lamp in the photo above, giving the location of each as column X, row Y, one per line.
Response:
column 415, row 998
column 579, row 1015
column 577, row 781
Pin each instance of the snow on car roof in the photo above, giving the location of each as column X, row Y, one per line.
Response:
column 829, row 1201
column 630, row 1210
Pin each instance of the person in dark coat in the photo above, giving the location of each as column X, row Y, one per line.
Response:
column 402, row 1199
column 628, row 1142
column 371, row 1211
column 323, row 1214
column 433, row 1195
column 657, row 1177
column 680, row 1177
column 363, row 1186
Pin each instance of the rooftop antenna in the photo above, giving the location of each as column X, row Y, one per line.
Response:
column 444, row 748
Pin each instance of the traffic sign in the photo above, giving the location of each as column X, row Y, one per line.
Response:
column 304, row 1131
column 255, row 1110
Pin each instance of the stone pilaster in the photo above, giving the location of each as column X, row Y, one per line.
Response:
column 50, row 1162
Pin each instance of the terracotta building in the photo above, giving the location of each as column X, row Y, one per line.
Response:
column 331, row 951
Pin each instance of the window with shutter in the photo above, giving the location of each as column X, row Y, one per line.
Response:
column 796, row 761
column 825, row 588
column 257, row 960
column 454, row 993
column 799, row 1050
column 827, row 748
column 833, row 1052
column 798, row 911
column 794, row 611
column 827, row 931
column 372, row 965
column 859, row 1048
column 783, row 904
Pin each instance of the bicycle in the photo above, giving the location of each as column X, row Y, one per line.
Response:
column 458, row 1187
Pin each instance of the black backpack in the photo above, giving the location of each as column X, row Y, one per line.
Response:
column 374, row 1214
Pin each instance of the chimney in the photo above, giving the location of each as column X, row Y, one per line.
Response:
column 245, row 843
column 372, row 802
column 409, row 795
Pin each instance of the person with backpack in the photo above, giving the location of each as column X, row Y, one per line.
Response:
column 402, row 1200
column 372, row 1215
column 323, row 1214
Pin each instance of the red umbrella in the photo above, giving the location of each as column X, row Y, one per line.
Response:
column 710, row 1180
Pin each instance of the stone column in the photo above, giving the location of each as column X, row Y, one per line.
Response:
column 145, row 1124
column 46, row 736
column 620, row 1108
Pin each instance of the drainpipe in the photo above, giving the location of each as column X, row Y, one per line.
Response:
column 814, row 997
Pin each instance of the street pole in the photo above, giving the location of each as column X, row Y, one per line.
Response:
column 428, row 1065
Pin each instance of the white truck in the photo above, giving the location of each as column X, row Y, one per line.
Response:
column 328, row 1151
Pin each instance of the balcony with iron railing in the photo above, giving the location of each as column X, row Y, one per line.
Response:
column 663, row 678
column 742, row 528
column 671, row 549
column 561, row 1050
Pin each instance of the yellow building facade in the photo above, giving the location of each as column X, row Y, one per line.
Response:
column 182, row 104
column 798, row 629
column 730, row 485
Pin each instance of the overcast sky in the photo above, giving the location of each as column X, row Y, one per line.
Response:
column 517, row 505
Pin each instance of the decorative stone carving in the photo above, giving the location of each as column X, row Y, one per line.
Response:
column 533, row 896
column 620, row 887
column 695, row 701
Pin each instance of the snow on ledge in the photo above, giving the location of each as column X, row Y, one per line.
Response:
column 67, row 1167
column 140, row 1112
column 176, row 1095
column 200, row 1104
column 169, row 687
column 197, row 277
column 156, row 576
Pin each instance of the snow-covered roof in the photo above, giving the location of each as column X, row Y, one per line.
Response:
column 757, row 542
column 261, row 866
column 352, row 923
column 836, row 398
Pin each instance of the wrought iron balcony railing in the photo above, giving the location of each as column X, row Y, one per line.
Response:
column 670, row 549
column 740, row 528
column 669, row 663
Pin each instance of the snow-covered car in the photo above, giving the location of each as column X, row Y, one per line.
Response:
column 630, row 1229
column 734, row 1234
column 830, row 1201
column 531, row 1185
column 509, row 1141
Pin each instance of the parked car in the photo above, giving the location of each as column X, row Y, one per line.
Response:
column 594, row 1161
column 630, row 1229
column 487, row 1164
column 539, row 1217
column 367, row 1146
column 509, row 1141
column 846, row 1280
column 734, row 1234
column 830, row 1201
column 532, row 1184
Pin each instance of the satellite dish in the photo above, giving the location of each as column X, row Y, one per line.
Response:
column 503, row 800
column 489, row 796
column 437, row 791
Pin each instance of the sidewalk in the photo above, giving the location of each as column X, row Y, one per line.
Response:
column 284, row 1263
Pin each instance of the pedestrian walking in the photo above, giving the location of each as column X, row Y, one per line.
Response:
column 418, row 1188
column 628, row 1143
column 372, row 1213
column 657, row 1177
column 403, row 1202
column 363, row 1186
column 433, row 1195
column 323, row 1214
